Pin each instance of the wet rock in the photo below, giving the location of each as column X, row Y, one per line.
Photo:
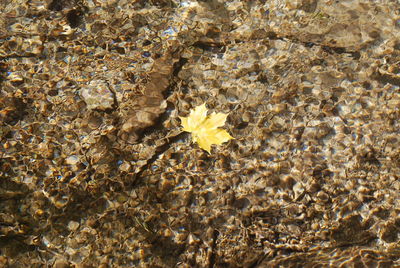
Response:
column 97, row 95
column 93, row 163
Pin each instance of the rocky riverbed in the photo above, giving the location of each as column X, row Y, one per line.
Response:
column 95, row 170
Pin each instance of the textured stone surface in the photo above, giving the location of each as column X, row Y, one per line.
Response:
column 97, row 95
column 95, row 170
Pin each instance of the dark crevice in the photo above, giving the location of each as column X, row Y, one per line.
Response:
column 212, row 257
column 340, row 50
column 16, row 56
column 387, row 79
column 74, row 18
column 177, row 68
column 15, row 112
column 327, row 48
column 159, row 150
column 56, row 5
column 210, row 46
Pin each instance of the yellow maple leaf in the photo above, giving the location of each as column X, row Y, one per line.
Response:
column 205, row 129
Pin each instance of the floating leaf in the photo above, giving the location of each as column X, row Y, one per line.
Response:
column 204, row 128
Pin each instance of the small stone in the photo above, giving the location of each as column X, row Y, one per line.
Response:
column 61, row 264
column 73, row 226
column 97, row 95
column 122, row 198
column 72, row 160
column 125, row 167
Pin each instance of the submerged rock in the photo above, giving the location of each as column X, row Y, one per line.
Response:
column 98, row 96
column 94, row 169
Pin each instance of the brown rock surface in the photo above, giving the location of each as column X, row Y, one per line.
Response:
column 95, row 172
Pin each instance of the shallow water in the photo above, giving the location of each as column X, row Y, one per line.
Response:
column 96, row 170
